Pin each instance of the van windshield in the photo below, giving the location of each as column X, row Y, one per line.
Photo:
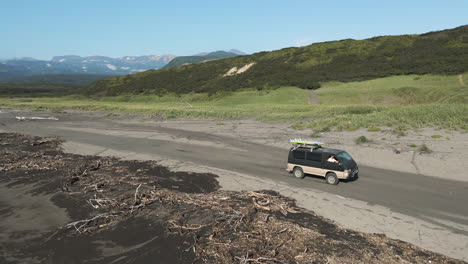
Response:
column 346, row 159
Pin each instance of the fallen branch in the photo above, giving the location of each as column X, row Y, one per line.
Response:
column 96, row 203
column 85, row 221
column 257, row 260
column 136, row 201
column 22, row 118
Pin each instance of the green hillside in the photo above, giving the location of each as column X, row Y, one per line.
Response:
column 184, row 60
column 443, row 52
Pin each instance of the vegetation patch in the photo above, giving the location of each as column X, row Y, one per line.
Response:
column 373, row 129
column 284, row 104
column 394, row 90
column 412, row 145
column 400, row 131
column 436, row 136
column 361, row 140
column 424, row 149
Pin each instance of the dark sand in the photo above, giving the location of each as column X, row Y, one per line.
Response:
column 64, row 208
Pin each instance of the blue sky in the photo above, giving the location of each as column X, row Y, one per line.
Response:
column 44, row 28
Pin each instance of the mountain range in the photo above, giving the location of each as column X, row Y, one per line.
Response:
column 202, row 57
column 235, row 51
column 99, row 65
column 72, row 64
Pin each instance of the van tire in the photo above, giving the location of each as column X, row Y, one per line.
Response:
column 298, row 173
column 331, row 178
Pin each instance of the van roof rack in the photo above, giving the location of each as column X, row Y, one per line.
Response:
column 306, row 143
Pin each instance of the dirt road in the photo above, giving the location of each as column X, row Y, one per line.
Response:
column 431, row 207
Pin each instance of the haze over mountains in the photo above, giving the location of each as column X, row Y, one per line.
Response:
column 72, row 64
column 96, row 65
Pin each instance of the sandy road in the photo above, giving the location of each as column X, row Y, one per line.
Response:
column 430, row 212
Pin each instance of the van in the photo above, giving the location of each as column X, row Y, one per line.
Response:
column 333, row 164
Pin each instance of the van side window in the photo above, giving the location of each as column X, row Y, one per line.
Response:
column 299, row 154
column 314, row 156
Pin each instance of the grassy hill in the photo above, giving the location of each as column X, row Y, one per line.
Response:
column 442, row 52
column 397, row 90
column 184, row 60
column 341, row 105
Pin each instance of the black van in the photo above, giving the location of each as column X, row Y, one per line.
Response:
column 333, row 164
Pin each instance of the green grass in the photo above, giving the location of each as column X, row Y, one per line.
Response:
column 290, row 104
column 396, row 90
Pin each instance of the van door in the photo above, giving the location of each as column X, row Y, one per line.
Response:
column 299, row 156
column 314, row 163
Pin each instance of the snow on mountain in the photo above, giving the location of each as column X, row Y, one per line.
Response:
column 112, row 67
column 73, row 64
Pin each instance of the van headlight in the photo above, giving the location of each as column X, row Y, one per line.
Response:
column 348, row 172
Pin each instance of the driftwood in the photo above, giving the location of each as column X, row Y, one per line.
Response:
column 216, row 226
column 23, row 118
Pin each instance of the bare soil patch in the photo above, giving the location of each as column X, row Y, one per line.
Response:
column 313, row 98
column 138, row 212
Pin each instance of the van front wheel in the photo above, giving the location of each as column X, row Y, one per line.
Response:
column 331, row 178
column 298, row 172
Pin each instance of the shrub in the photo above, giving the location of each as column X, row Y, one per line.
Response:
column 362, row 139
column 424, row 149
column 412, row 146
column 436, row 136
column 313, row 86
column 353, row 128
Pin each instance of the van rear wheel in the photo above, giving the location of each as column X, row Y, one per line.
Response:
column 298, row 172
column 331, row 178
